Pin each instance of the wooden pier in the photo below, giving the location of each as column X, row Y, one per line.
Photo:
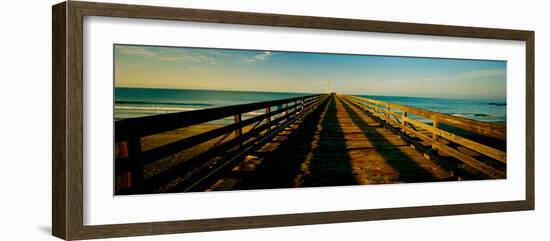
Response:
column 310, row 141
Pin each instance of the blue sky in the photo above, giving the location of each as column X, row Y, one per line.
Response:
column 222, row 69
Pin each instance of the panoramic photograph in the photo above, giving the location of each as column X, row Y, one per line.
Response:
column 190, row 119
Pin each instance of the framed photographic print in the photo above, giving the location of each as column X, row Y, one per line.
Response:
column 171, row 120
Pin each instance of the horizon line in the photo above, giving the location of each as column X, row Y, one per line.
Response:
column 305, row 92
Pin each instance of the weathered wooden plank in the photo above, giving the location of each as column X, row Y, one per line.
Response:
column 417, row 134
column 379, row 115
column 479, row 127
column 478, row 147
column 165, row 177
column 149, row 156
column 388, row 149
column 345, row 146
column 470, row 161
column 435, row 132
column 243, row 141
column 149, row 125
column 486, row 150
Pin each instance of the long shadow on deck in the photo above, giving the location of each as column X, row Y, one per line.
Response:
column 281, row 167
column 409, row 170
column 330, row 164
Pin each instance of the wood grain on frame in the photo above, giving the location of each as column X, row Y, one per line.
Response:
column 59, row 193
column 67, row 78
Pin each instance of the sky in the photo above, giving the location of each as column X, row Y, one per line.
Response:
column 277, row 71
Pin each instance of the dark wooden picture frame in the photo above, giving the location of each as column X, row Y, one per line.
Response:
column 67, row 77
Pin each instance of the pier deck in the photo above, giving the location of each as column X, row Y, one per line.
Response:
column 338, row 144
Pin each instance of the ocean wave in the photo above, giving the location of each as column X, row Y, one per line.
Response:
column 152, row 110
column 466, row 115
column 156, row 103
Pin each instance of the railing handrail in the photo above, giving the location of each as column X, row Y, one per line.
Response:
column 483, row 128
column 131, row 157
column 383, row 110
column 149, row 125
column 162, row 151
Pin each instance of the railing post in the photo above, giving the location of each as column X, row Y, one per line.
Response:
column 237, row 119
column 121, row 151
column 132, row 149
column 370, row 105
column 434, row 135
column 302, row 105
column 268, row 119
column 403, row 121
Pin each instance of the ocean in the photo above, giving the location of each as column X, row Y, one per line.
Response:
column 138, row 102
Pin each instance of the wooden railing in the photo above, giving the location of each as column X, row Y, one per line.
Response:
column 440, row 140
column 246, row 135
